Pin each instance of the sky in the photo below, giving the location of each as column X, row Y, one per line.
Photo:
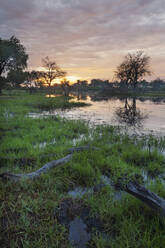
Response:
column 87, row 38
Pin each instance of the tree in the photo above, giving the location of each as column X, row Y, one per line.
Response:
column 52, row 71
column 65, row 85
column 157, row 84
column 16, row 77
column 33, row 80
column 12, row 57
column 134, row 67
column 130, row 115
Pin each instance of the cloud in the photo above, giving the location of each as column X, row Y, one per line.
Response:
column 86, row 34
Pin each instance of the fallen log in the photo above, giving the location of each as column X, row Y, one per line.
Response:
column 149, row 198
column 37, row 173
column 46, row 167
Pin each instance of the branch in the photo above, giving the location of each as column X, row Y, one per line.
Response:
column 46, row 167
column 35, row 174
column 149, row 198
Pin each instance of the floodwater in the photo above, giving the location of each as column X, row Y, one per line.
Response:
column 140, row 114
column 78, row 234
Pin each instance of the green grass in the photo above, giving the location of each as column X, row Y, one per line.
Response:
column 27, row 208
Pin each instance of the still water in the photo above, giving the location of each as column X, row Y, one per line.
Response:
column 139, row 114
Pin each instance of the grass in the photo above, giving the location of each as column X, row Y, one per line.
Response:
column 27, row 208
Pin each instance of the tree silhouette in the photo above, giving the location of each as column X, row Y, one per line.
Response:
column 134, row 67
column 12, row 57
column 52, row 71
column 130, row 115
column 16, row 77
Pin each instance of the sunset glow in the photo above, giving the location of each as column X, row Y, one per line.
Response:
column 87, row 38
column 72, row 79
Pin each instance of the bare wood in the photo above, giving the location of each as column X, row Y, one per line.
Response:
column 149, row 198
column 35, row 174
column 46, row 167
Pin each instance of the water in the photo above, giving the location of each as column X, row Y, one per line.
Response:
column 79, row 192
column 137, row 114
column 78, row 235
column 45, row 143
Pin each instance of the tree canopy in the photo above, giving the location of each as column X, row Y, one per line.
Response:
column 12, row 57
column 16, row 77
column 134, row 67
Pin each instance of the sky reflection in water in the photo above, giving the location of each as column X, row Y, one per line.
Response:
column 138, row 114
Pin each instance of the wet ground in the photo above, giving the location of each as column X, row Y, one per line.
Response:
column 75, row 214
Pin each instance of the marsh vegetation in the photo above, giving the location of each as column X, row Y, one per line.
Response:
column 46, row 212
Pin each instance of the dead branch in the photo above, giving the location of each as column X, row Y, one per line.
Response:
column 149, row 198
column 46, row 167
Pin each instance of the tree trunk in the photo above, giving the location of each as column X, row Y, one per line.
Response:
column 46, row 167
column 149, row 198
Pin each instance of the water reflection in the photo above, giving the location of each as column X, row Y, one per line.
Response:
column 130, row 115
column 146, row 114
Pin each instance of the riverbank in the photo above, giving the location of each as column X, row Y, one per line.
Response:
column 30, row 212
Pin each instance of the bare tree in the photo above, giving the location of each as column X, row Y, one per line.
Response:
column 52, row 71
column 134, row 67
column 130, row 115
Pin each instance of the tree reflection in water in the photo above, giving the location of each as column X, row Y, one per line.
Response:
column 130, row 115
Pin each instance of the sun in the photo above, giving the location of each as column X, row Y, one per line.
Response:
column 71, row 79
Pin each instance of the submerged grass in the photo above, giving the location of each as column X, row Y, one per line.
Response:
column 27, row 208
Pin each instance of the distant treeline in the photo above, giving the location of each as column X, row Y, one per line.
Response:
column 103, row 86
column 98, row 84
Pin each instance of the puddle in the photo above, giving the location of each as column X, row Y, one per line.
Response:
column 105, row 179
column 118, row 195
column 152, row 149
column 74, row 141
column 35, row 115
column 82, row 137
column 8, row 115
column 45, row 143
column 79, row 192
column 148, row 179
column 78, row 235
column 75, row 215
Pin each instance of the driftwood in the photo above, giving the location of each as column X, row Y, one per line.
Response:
column 46, row 167
column 149, row 198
